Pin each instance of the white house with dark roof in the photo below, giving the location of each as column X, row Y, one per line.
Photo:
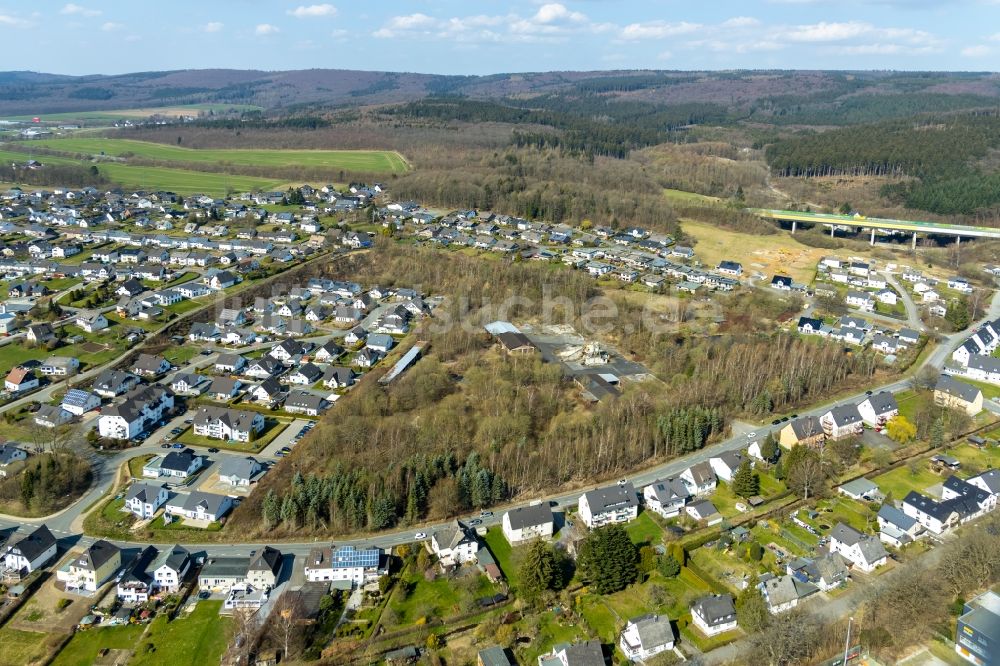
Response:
column 646, row 636
column 783, row 593
column 726, row 463
column 528, row 522
column 240, row 472
column 842, row 421
column 359, row 566
column 863, row 551
column 949, row 392
column 666, row 497
column 454, row 544
column 877, row 409
column 78, row 402
column 896, row 528
column 714, row 614
column 143, row 500
column 983, row 368
column 611, row 504
column 229, row 424
column 198, row 505
column 29, row 552
column 699, row 478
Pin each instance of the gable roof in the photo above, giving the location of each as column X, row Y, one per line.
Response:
column 35, row 543
column 882, row 402
column 668, row 490
column 957, row 389
column 806, row 427
column 529, row 516
column 715, row 609
column 611, row 498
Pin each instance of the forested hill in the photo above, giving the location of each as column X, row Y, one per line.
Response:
column 943, row 153
column 777, row 97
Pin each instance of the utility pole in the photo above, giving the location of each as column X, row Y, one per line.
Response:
column 847, row 643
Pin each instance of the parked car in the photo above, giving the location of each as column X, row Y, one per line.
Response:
column 178, row 445
column 213, row 450
column 419, row 536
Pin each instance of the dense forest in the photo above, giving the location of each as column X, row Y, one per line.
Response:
column 467, row 427
column 940, row 152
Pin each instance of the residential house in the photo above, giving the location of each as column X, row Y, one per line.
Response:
column 379, row 342
column 40, row 334
column 810, row 326
column 224, row 389
column 977, row 632
column 328, row 352
column 10, row 454
column 896, row 528
column 825, row 572
column 240, row 472
column 60, row 366
column 783, row 593
column 228, row 424
column 135, row 585
column 113, row 383
column 611, row 504
column 268, row 392
column 190, row 384
column 863, row 551
column 230, row 363
column 703, row 510
column 359, row 566
column 666, row 497
column 949, row 392
column 287, row 350
column 454, row 544
column 877, row 409
column 528, row 522
column 222, row 574
column 52, row 416
column 139, row 408
column 198, row 505
column 264, row 367
column 265, row 568
column 861, row 300
column 805, row 430
column 862, row 490
column 20, row 380
column 170, row 568
column 338, row 377
column 714, row 614
column 842, row 421
column 177, row 464
column 96, row 565
column 646, row 636
column 304, row 402
column 91, row 323
column 149, row 365
column 726, row 463
column 699, row 478
column 144, row 499
column 587, row 653
column 306, row 374
column 30, row 552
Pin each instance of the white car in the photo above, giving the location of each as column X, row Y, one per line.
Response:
column 420, row 535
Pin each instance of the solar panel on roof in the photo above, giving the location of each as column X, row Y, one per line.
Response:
column 349, row 556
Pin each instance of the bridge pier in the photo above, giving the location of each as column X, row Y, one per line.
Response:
column 793, row 226
column 914, row 240
column 958, row 241
column 833, row 228
column 873, row 237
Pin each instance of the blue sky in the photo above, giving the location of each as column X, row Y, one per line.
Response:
column 486, row 36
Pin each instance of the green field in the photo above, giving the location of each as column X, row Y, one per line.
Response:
column 183, row 181
column 375, row 161
column 118, row 114
column 196, row 639
column 84, row 647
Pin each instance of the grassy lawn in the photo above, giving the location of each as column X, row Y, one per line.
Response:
column 182, row 278
column 84, row 647
column 724, row 565
column 180, row 307
column 974, row 459
column 425, row 599
column 503, row 554
column 599, row 616
column 272, row 428
column 22, row 647
column 901, row 480
column 375, row 161
column 136, row 464
column 198, row 639
column 180, row 354
column 910, row 402
column 707, row 643
column 644, row 530
column 548, row 629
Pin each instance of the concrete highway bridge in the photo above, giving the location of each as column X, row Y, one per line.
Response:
column 876, row 224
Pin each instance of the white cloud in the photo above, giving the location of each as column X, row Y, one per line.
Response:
column 76, row 10
column 740, row 22
column 313, row 11
column 12, row 21
column 995, row 38
column 212, row 26
column 266, row 29
column 977, row 51
column 111, row 26
column 829, row 32
column 555, row 12
column 658, row 29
